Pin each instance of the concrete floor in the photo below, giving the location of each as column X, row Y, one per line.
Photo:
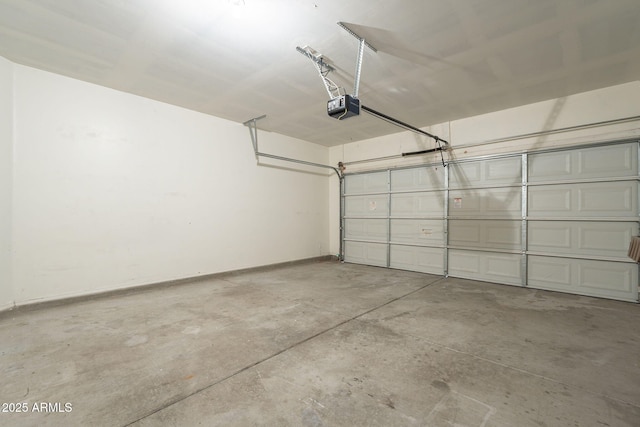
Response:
column 325, row 344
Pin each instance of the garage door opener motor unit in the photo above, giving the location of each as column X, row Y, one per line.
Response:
column 342, row 106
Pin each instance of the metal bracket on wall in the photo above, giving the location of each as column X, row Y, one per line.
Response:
column 253, row 131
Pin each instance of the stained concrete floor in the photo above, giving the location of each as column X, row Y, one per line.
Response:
column 325, row 344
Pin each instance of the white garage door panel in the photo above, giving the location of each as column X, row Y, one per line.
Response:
column 366, row 183
column 417, row 179
column 603, row 199
column 486, row 173
column 615, row 198
column 366, row 206
column 494, row 234
column 366, row 253
column 488, row 266
column 550, row 273
column 367, row 229
column 550, row 201
column 414, row 258
column 598, row 162
column 620, row 160
column 428, row 204
column 486, row 202
column 464, row 175
column 418, row 231
column 581, row 237
column 550, row 236
column 549, row 167
column 606, row 279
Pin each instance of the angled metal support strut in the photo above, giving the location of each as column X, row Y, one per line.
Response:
column 253, row 131
column 323, row 69
column 362, row 44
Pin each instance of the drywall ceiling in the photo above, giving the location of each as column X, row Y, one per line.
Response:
column 437, row 60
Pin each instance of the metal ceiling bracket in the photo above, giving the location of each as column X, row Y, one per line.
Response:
column 362, row 44
column 356, row 83
column 315, row 57
column 323, row 69
column 350, row 31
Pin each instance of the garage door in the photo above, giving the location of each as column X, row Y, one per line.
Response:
column 557, row 220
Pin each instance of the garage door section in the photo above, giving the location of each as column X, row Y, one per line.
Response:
column 366, row 218
column 396, row 219
column 557, row 220
column 417, row 238
column 485, row 220
column 582, row 213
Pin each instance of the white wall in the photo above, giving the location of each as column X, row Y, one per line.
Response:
column 472, row 137
column 113, row 190
column 6, row 173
